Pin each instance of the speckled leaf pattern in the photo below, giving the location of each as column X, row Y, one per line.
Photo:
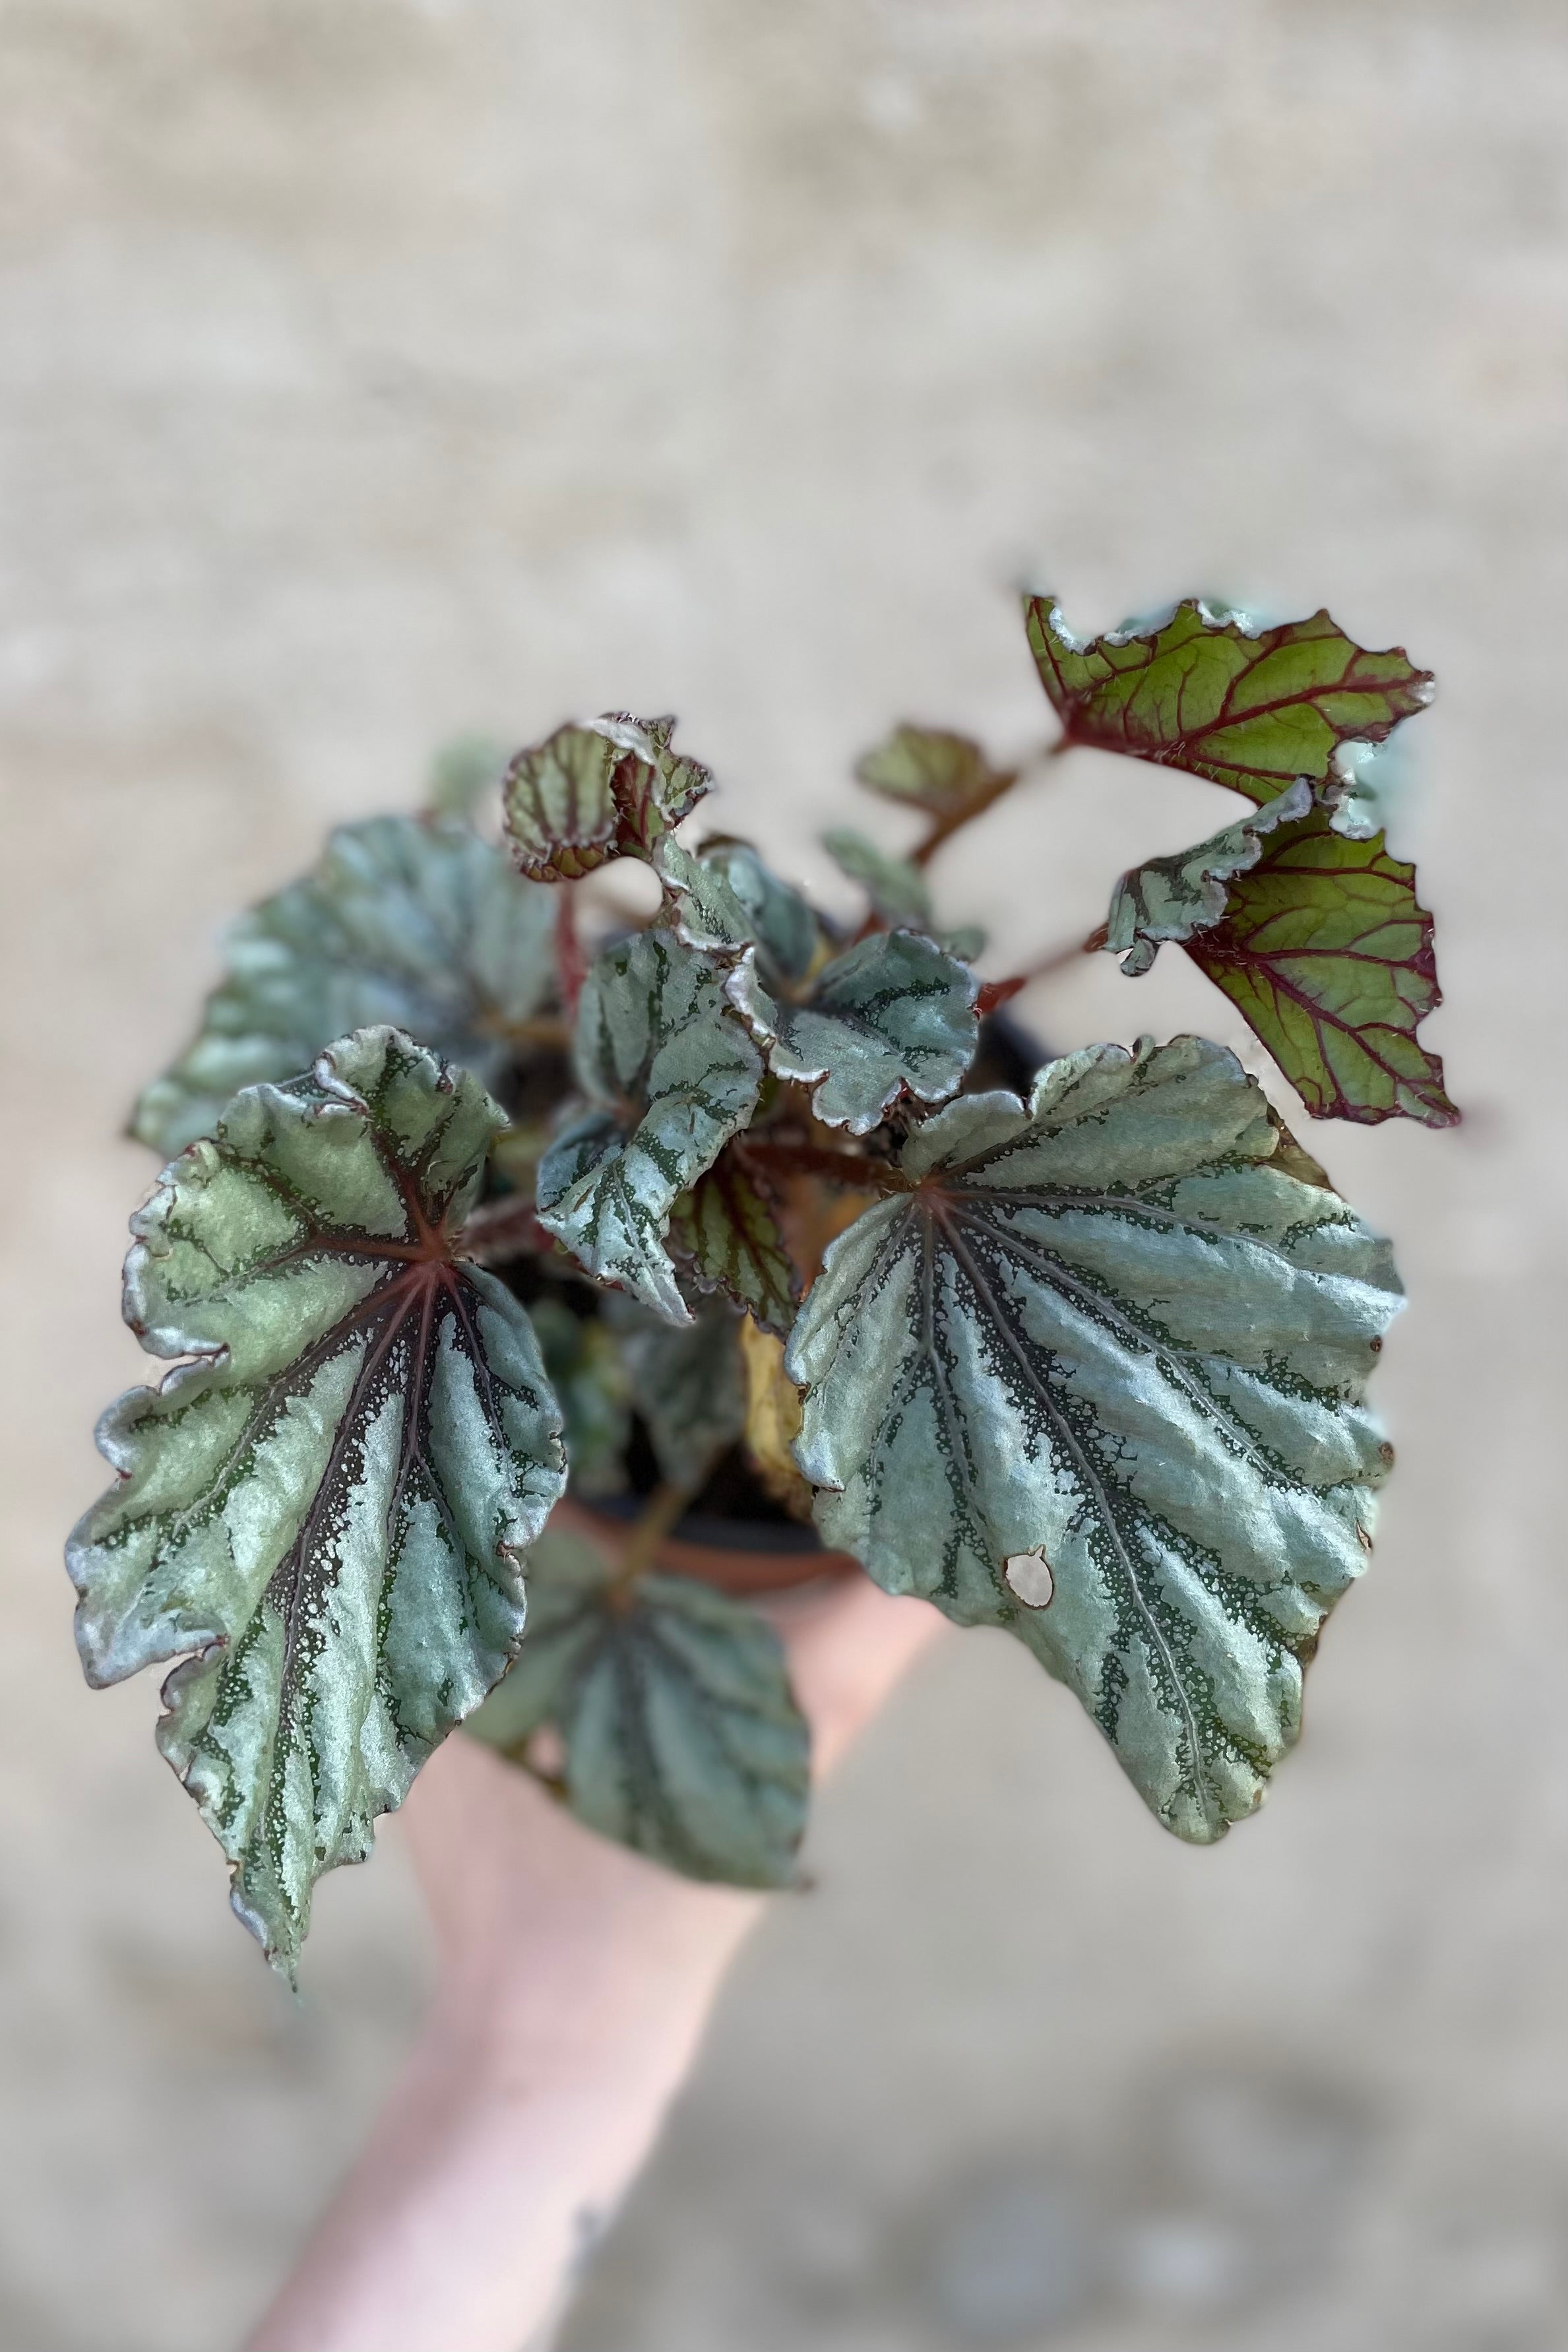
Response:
column 894, row 1016
column 674, row 1074
column 1108, row 1354
column 1328, row 953
column 418, row 924
column 687, row 1382
column 930, row 768
column 726, row 1230
column 1251, row 707
column 896, row 889
column 725, row 900
column 1172, row 897
column 611, row 788
column 682, row 1737
column 324, row 1512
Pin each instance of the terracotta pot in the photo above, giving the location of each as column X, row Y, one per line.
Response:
column 738, row 1556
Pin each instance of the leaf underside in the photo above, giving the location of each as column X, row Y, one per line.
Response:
column 673, row 1074
column 1250, row 708
column 1116, row 1330
column 417, row 924
column 682, row 1737
column 726, row 1230
column 894, row 1016
column 324, row 1512
column 1327, row 953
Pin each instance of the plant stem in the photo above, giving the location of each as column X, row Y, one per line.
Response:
column 946, row 827
column 659, row 1515
column 570, row 962
column 504, row 1229
column 850, row 1167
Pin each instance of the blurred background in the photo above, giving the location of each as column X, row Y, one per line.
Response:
column 373, row 372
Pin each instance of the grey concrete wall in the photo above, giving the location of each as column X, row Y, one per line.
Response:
column 371, row 371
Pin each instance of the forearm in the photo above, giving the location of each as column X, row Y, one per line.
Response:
column 573, row 1983
column 523, row 2115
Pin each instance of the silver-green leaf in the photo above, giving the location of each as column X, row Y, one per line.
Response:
column 686, row 1380
column 682, row 1737
column 894, row 1016
column 324, row 1511
column 898, row 891
column 589, row 1374
column 1098, row 1376
column 413, row 922
column 673, row 1074
column 1175, row 898
column 725, row 899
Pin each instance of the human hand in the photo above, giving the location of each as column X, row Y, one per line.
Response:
column 573, row 1981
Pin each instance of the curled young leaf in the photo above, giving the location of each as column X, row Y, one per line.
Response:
column 682, row 1737
column 894, row 1016
column 674, row 1076
column 657, row 786
column 686, row 1380
column 417, row 924
column 1113, row 1334
column 927, row 767
column 1172, row 897
column 897, row 890
column 1251, row 707
column 611, row 788
column 726, row 1230
column 1328, row 953
column 324, row 1512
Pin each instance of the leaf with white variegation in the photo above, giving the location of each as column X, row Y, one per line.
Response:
column 409, row 921
column 1097, row 1375
column 323, row 1513
column 674, row 1074
column 1172, row 897
column 682, row 1737
column 896, row 1017
column 1206, row 690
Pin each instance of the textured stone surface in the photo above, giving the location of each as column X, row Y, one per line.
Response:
column 375, row 371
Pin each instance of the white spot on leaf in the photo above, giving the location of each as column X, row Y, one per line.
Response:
column 1029, row 1577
